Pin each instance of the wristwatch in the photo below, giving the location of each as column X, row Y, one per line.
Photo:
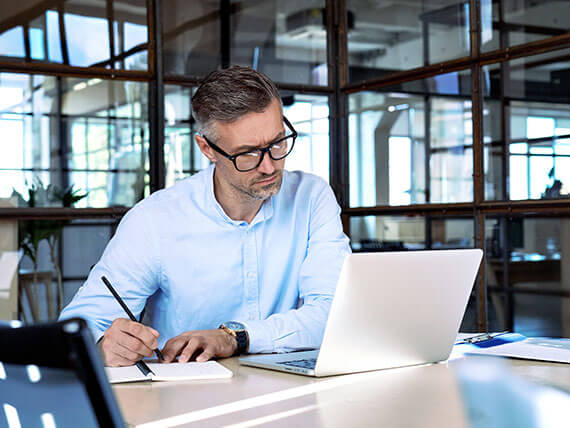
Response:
column 237, row 330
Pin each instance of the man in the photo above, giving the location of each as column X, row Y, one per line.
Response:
column 241, row 257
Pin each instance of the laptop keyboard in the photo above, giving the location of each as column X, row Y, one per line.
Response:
column 308, row 363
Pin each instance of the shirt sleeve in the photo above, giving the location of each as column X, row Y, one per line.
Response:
column 131, row 264
column 327, row 247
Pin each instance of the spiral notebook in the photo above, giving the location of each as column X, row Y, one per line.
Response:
column 169, row 372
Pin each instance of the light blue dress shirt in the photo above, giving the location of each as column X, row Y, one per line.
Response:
column 199, row 268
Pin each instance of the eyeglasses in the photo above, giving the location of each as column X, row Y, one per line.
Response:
column 246, row 161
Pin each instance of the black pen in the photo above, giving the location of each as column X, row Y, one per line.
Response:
column 127, row 310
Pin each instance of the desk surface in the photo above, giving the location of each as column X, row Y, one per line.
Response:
column 462, row 392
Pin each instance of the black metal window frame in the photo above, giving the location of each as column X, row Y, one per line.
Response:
column 338, row 90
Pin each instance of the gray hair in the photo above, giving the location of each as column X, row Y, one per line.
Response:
column 228, row 94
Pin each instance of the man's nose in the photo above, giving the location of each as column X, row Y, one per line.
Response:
column 266, row 166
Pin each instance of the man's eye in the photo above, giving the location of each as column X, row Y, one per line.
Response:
column 252, row 154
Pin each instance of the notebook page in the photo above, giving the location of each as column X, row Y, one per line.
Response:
column 125, row 374
column 189, row 371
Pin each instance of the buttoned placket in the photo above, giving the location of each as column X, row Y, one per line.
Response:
column 250, row 272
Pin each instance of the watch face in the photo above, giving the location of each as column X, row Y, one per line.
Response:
column 234, row 325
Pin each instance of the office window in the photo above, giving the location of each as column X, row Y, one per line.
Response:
column 537, row 120
column 385, row 36
column 285, row 40
column 80, row 33
column 388, row 145
column 97, row 142
column 519, row 22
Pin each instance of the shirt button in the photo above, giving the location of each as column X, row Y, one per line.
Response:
column 251, row 274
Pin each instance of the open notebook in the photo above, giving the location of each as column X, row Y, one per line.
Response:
column 169, row 372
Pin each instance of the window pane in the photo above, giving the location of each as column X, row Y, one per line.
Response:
column 537, row 125
column 285, row 40
column 103, row 131
column 521, row 22
column 88, row 39
column 389, row 233
column 518, row 167
column 535, row 261
column 12, row 43
column 182, row 155
column 388, row 149
column 386, row 36
column 309, row 115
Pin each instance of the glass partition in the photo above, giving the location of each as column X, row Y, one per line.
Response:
column 412, row 143
column 91, row 134
column 511, row 22
column 81, row 33
column 535, row 115
column 392, row 233
column 385, row 36
column 309, row 115
column 285, row 40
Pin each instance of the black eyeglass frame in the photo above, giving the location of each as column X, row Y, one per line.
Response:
column 263, row 150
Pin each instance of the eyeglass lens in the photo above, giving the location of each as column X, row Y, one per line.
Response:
column 252, row 159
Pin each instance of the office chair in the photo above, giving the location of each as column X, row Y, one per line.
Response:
column 52, row 375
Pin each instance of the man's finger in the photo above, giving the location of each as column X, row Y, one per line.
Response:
column 172, row 348
column 134, row 345
column 143, row 333
column 116, row 360
column 206, row 355
column 193, row 344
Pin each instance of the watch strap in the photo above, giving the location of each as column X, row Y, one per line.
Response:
column 242, row 341
column 241, row 336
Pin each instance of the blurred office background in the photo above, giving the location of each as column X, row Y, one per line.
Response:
column 438, row 123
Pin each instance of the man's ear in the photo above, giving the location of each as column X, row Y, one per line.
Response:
column 205, row 148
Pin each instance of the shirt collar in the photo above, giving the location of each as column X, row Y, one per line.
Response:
column 265, row 212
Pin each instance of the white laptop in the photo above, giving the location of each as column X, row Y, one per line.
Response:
column 390, row 309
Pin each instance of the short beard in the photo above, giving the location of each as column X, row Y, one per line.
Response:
column 263, row 193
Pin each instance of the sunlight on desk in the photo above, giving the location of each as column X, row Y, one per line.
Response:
column 465, row 391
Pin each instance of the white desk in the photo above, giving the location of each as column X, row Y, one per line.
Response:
column 465, row 391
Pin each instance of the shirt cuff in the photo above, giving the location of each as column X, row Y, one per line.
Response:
column 259, row 337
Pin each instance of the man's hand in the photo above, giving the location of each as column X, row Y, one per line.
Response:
column 126, row 342
column 200, row 345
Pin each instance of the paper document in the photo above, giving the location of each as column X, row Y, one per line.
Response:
column 515, row 345
column 169, row 372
